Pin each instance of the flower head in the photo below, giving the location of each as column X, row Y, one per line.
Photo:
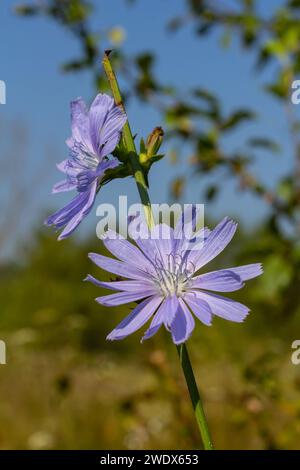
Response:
column 162, row 274
column 95, row 134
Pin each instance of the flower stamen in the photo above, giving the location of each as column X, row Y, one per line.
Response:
column 173, row 274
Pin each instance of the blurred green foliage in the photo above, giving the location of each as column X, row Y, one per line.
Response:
column 67, row 387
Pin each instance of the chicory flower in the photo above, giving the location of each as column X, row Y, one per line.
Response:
column 162, row 276
column 95, row 134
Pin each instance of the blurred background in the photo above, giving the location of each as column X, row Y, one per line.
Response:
column 217, row 76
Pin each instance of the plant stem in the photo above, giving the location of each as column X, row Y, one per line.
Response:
column 129, row 142
column 195, row 397
column 145, row 199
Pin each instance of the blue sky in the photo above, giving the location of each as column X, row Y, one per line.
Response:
column 38, row 96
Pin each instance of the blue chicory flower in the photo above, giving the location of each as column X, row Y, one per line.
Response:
column 162, row 275
column 95, row 134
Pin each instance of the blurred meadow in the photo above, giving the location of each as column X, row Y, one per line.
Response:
column 218, row 78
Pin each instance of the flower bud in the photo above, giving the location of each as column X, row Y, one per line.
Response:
column 154, row 141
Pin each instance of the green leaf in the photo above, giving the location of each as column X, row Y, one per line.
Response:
column 277, row 275
column 237, row 118
column 285, row 189
column 26, row 10
column 278, row 89
column 142, row 146
column 177, row 187
column 211, row 192
column 226, row 38
column 275, row 47
column 294, row 3
column 264, row 143
column 210, row 100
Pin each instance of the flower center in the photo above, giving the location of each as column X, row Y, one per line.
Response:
column 83, row 157
column 174, row 274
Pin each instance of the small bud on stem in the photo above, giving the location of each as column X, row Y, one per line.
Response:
column 154, row 141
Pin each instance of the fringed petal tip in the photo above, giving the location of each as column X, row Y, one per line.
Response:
column 112, row 336
column 260, row 268
column 257, row 270
column 62, row 237
column 228, row 219
column 77, row 100
column 93, row 280
column 50, row 223
column 93, row 257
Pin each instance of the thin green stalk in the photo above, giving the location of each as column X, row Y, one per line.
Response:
column 195, row 397
column 129, row 142
column 145, row 199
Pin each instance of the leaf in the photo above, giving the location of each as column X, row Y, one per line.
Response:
column 264, row 143
column 145, row 81
column 122, row 171
column 251, row 25
column 294, row 3
column 226, row 38
column 26, row 10
column 177, row 187
column 263, row 58
column 175, row 24
column 205, row 95
column 237, row 118
column 277, row 275
column 277, row 89
column 285, row 189
column 213, row 111
column 74, row 65
column 142, row 146
column 275, row 47
column 145, row 61
column 211, row 192
column 204, row 28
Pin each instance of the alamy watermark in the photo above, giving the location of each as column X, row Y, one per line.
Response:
column 2, row 352
column 129, row 221
column 2, row 92
column 295, row 357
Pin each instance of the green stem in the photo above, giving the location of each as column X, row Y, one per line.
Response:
column 145, row 199
column 129, row 142
column 195, row 397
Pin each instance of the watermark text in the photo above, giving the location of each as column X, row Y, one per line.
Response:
column 2, row 352
column 295, row 357
column 129, row 221
column 2, row 92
